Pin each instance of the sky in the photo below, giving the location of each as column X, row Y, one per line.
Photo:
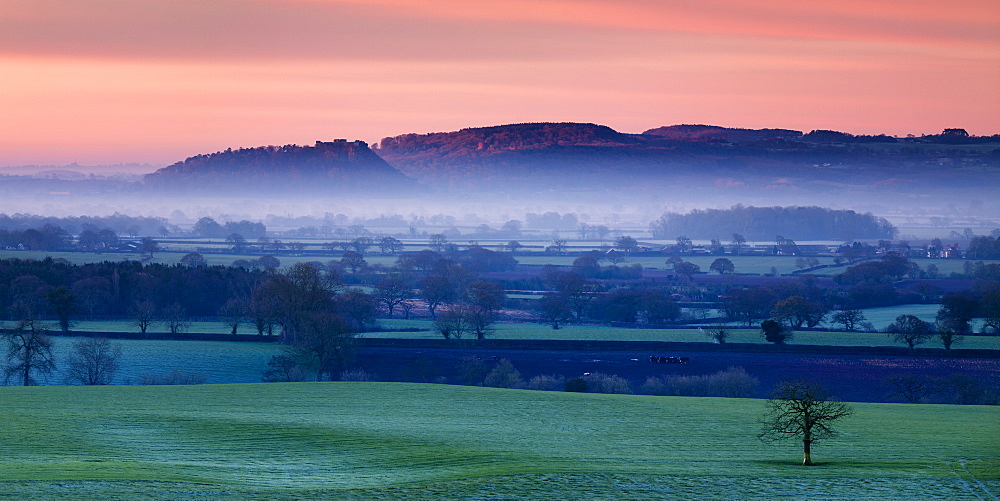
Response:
column 156, row 81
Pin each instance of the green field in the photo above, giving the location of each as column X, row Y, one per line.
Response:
column 398, row 440
column 214, row 361
column 882, row 317
column 754, row 265
column 605, row 333
column 541, row 331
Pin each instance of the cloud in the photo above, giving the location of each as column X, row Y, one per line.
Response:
column 468, row 29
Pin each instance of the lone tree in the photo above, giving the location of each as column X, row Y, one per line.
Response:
column 723, row 266
column 143, row 314
column 718, row 334
column 176, row 319
column 94, row 361
column 910, row 330
column 801, row 409
column 555, row 311
column 685, row 269
column 850, row 318
column 626, row 244
column 63, row 303
column 325, row 343
column 29, row 351
column 148, row 246
column 391, row 292
column 775, row 332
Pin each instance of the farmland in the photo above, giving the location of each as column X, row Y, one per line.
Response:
column 520, row 330
column 855, row 377
column 753, row 265
column 517, row 330
column 365, row 440
column 683, row 335
column 215, row 361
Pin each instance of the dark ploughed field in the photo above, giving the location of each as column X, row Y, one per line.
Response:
column 857, row 378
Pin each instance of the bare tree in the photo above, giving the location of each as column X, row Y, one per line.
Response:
column 194, row 260
column 29, row 351
column 436, row 290
column 452, row 323
column 723, row 266
column 849, row 318
column 94, row 361
column 148, row 246
column 910, row 387
column 626, row 244
column 234, row 312
column 390, row 245
column 737, row 243
column 559, row 244
column 719, row 333
column 910, row 330
column 283, row 368
column 143, row 313
column 176, row 318
column 685, row 269
column 239, row 244
column 554, row 310
column 391, row 292
column 63, row 303
column 802, row 409
column 325, row 343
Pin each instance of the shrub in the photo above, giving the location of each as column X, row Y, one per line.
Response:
column 547, row 383
column 356, row 375
column 604, row 383
column 284, row 368
column 472, row 370
column 688, row 386
column 173, row 377
column 964, row 390
column 504, row 375
column 577, row 385
column 775, row 332
column 654, row 386
column 733, row 382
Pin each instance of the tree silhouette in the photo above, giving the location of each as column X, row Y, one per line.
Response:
column 801, row 409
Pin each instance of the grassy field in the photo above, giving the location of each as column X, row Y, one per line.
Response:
column 397, row 440
column 600, row 332
column 201, row 327
column 882, row 317
column 605, row 333
column 744, row 264
column 210, row 361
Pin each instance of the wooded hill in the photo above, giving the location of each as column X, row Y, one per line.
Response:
column 570, row 155
column 328, row 166
column 542, row 157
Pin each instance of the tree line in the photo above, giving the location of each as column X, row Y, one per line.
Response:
column 763, row 223
column 74, row 225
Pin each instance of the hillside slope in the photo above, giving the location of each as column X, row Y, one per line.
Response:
column 325, row 167
column 546, row 156
column 421, row 441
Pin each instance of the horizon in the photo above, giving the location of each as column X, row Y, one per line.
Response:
column 147, row 83
column 109, row 169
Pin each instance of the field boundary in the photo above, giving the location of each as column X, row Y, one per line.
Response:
column 166, row 336
column 659, row 347
column 662, row 347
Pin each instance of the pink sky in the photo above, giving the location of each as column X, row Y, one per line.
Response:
column 155, row 81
